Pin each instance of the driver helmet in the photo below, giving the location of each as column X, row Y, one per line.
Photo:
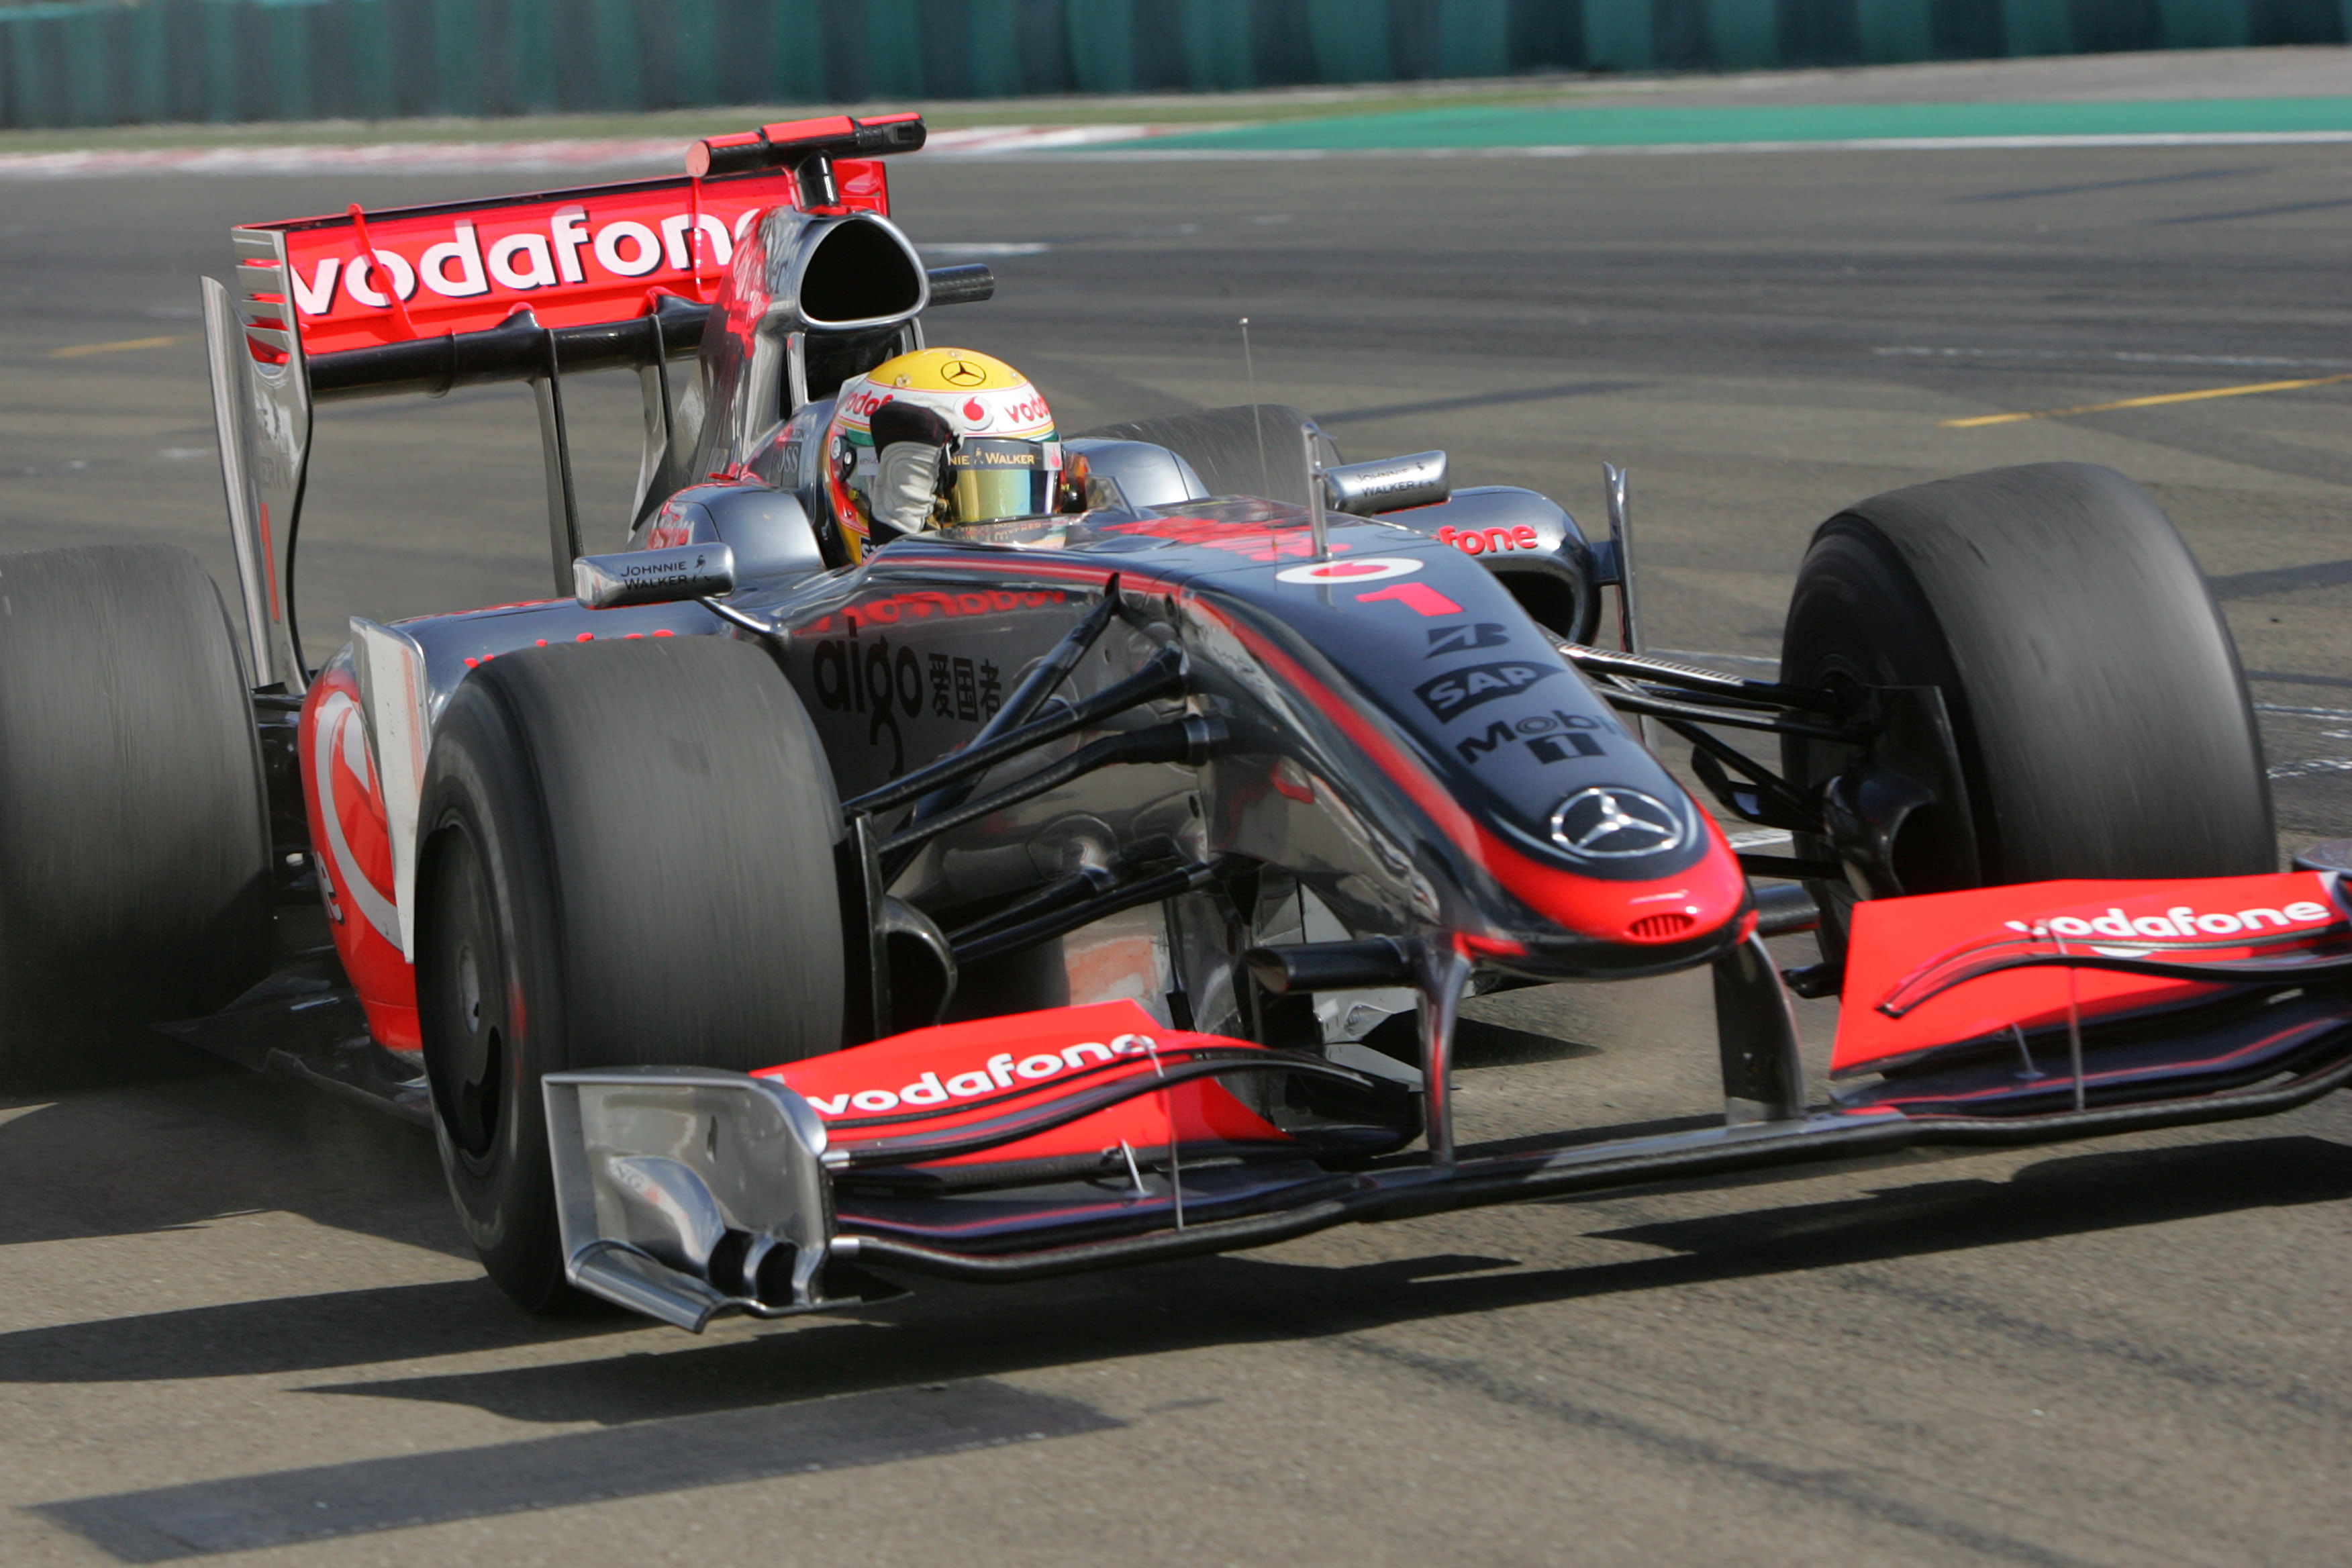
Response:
column 937, row 438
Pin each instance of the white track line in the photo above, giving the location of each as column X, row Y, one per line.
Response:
column 1018, row 141
column 2117, row 356
column 1858, row 144
column 1725, row 658
column 380, row 158
column 2304, row 712
column 987, row 247
column 665, row 154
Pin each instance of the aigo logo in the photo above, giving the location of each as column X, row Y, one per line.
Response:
column 1000, row 1072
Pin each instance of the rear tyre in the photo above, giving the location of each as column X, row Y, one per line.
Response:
column 2095, row 696
column 134, row 829
column 625, row 859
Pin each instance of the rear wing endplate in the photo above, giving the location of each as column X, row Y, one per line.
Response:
column 526, row 288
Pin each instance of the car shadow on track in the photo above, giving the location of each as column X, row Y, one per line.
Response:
column 332, row 1331
column 172, row 1139
column 949, row 1333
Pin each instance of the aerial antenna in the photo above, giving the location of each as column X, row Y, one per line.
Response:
column 1257, row 414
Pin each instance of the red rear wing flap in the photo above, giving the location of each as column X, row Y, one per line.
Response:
column 526, row 288
column 573, row 258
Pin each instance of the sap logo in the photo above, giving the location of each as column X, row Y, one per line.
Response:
column 1464, row 639
column 1478, row 540
column 1457, row 691
column 1553, row 737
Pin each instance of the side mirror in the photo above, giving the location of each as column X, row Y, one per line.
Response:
column 652, row 576
column 1388, row 484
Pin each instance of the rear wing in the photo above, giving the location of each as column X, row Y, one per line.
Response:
column 526, row 288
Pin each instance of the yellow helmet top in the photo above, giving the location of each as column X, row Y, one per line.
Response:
column 986, row 410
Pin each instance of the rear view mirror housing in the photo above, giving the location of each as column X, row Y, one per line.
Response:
column 652, row 576
column 1387, row 484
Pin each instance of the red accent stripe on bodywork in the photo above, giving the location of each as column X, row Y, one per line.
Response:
column 1714, row 889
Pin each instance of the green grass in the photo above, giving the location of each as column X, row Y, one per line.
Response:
column 1638, row 124
column 1535, row 111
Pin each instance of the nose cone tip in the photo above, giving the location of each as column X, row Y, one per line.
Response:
column 1684, row 906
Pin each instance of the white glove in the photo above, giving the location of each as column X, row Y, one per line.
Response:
column 906, row 486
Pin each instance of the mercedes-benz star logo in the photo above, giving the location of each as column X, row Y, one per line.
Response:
column 1605, row 823
column 961, row 372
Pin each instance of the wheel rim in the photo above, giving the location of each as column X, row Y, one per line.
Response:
column 471, row 1024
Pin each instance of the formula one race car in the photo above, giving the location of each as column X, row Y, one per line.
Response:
column 937, row 846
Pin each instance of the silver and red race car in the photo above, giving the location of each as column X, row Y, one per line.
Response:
column 768, row 920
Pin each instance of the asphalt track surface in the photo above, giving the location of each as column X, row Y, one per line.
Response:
column 236, row 1316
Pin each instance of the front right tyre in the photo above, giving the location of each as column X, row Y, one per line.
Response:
column 2097, row 708
column 625, row 859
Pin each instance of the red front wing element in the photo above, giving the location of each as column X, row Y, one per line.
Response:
column 1950, row 969
column 932, row 1089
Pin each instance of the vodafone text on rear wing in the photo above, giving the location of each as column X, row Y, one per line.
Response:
column 528, row 288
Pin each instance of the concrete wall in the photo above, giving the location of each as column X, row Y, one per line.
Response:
column 102, row 62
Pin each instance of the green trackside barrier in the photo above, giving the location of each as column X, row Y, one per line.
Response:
column 100, row 62
column 1638, row 124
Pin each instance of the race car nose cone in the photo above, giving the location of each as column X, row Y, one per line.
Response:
column 1608, row 823
column 1596, row 887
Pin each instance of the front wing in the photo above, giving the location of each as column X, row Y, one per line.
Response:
column 1077, row 1139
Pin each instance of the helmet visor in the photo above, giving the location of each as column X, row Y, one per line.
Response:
column 989, row 477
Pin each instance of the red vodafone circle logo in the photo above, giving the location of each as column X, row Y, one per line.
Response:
column 1370, row 569
column 976, row 412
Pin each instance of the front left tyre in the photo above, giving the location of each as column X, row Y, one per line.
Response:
column 625, row 859
column 134, row 829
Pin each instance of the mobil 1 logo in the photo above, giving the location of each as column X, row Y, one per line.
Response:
column 1553, row 737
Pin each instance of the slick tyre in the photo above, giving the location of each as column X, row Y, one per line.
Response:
column 626, row 859
column 134, row 829
column 2095, row 699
